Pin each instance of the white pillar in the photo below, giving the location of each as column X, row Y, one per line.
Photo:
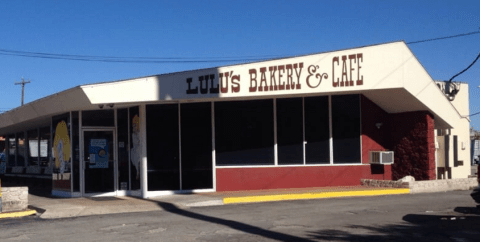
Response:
column 143, row 140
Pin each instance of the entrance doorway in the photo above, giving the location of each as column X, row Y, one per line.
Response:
column 99, row 156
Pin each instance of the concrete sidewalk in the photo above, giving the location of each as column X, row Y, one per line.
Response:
column 51, row 208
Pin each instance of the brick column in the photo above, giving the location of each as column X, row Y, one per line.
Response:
column 432, row 174
column 413, row 141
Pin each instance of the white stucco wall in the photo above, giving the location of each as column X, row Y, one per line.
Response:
column 461, row 128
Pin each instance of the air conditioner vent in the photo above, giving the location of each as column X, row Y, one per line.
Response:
column 381, row 157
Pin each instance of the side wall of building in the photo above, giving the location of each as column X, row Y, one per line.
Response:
column 375, row 128
column 461, row 164
column 410, row 135
column 453, row 153
column 413, row 141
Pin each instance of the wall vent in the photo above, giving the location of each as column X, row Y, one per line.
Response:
column 381, row 157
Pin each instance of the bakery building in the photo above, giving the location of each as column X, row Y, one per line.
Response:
column 327, row 119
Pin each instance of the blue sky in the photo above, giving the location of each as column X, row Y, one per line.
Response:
column 221, row 29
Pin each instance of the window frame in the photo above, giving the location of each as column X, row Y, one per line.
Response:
column 331, row 144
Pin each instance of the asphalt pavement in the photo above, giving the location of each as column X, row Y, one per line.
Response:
column 444, row 216
column 52, row 207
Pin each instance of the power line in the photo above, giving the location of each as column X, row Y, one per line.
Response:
column 442, row 38
column 129, row 61
column 472, row 114
column 123, row 59
column 120, row 59
column 478, row 56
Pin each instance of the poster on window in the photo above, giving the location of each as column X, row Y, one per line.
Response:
column 43, row 148
column 98, row 153
column 33, row 148
column 61, row 147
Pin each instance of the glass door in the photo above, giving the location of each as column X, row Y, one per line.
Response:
column 99, row 160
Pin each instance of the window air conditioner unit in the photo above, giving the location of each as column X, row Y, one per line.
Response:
column 381, row 157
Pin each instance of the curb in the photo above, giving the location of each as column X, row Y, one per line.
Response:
column 217, row 202
column 304, row 196
column 38, row 209
column 17, row 214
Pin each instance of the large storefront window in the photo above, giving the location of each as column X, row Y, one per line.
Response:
column 196, row 138
column 175, row 166
column 346, row 129
column 3, row 155
column 20, row 149
column 317, row 147
column 32, row 142
column 290, row 131
column 163, row 147
column 244, row 132
column 11, row 146
column 309, row 130
column 32, row 151
column 135, row 147
column 122, row 139
column 75, row 152
column 45, row 146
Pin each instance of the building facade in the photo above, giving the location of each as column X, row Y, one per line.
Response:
column 307, row 121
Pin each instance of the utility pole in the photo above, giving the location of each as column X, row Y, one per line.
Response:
column 23, row 82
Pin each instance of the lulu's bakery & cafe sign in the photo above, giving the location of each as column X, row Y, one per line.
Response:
column 261, row 78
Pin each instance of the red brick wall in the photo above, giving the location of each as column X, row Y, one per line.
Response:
column 374, row 138
column 410, row 135
column 413, row 141
column 240, row 179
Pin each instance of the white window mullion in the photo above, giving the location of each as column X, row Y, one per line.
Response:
column 81, row 162
column 72, row 176
column 304, row 141
column 180, row 145
column 360, row 110
column 128, row 151
column 116, row 181
column 330, row 128
column 275, row 145
column 214, row 167
column 38, row 142
column 25, row 147
column 143, row 139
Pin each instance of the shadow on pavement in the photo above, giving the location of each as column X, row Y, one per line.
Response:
column 467, row 210
column 246, row 228
column 417, row 227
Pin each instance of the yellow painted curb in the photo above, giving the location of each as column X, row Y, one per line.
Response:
column 299, row 196
column 17, row 214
